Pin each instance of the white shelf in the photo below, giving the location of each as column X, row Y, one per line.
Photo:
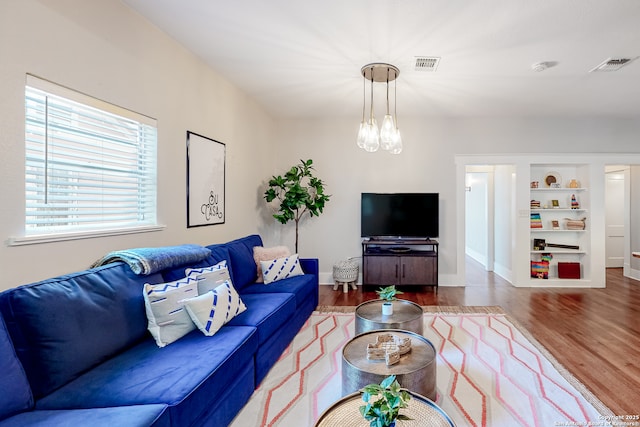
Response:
column 551, row 230
column 559, row 189
column 560, row 251
column 557, row 210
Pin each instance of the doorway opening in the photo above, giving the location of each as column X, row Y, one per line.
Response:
column 616, row 206
column 489, row 225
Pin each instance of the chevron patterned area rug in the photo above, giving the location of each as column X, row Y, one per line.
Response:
column 490, row 372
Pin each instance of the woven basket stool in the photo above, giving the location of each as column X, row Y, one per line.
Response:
column 345, row 273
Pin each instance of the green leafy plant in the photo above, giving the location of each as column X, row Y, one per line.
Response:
column 383, row 402
column 389, row 293
column 299, row 192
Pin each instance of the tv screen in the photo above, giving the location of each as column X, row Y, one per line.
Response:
column 399, row 215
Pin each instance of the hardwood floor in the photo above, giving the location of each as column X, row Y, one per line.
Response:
column 594, row 333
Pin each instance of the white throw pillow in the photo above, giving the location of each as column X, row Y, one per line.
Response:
column 266, row 254
column 209, row 278
column 281, row 268
column 215, row 308
column 167, row 320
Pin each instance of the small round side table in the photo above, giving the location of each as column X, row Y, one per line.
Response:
column 406, row 315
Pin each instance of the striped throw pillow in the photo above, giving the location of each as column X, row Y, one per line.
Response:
column 209, row 278
column 167, row 319
column 281, row 268
column 213, row 309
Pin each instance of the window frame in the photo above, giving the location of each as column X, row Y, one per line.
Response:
column 32, row 235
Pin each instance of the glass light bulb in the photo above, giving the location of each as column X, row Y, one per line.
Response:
column 363, row 133
column 387, row 131
column 396, row 147
column 373, row 137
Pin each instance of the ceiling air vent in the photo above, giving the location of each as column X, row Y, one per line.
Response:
column 427, row 63
column 612, row 64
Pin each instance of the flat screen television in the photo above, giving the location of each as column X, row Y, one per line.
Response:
column 399, row 215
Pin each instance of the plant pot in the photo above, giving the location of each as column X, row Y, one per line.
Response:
column 387, row 308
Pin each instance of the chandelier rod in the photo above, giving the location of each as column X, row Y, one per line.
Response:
column 395, row 100
column 387, row 91
column 364, row 97
column 371, row 118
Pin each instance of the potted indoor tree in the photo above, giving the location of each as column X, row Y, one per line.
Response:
column 299, row 192
column 383, row 403
column 388, row 294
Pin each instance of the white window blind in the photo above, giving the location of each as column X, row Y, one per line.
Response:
column 90, row 165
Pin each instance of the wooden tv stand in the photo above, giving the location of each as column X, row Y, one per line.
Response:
column 402, row 262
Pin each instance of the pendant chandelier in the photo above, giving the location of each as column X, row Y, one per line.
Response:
column 387, row 137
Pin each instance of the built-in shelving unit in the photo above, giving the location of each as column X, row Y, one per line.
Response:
column 560, row 250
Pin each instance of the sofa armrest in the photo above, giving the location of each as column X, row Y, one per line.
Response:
column 310, row 265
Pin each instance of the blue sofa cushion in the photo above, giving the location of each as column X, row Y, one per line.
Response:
column 130, row 416
column 250, row 242
column 176, row 273
column 186, row 375
column 271, row 351
column 16, row 393
column 64, row 326
column 219, row 252
column 301, row 286
column 267, row 312
column 243, row 267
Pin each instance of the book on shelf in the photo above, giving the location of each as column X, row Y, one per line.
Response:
column 536, row 221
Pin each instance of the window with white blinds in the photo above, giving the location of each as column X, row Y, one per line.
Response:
column 90, row 165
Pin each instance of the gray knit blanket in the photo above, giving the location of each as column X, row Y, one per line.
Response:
column 145, row 261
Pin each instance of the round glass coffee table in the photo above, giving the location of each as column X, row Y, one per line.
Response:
column 406, row 315
column 345, row 413
column 415, row 371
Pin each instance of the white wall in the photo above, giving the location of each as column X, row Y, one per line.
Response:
column 505, row 212
column 104, row 49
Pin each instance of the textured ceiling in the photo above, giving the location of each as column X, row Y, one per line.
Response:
column 301, row 58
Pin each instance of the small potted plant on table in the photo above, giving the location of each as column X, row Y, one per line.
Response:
column 388, row 294
column 383, row 403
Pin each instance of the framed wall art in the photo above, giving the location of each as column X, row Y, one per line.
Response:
column 205, row 181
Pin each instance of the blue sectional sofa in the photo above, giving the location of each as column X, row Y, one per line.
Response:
column 75, row 350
